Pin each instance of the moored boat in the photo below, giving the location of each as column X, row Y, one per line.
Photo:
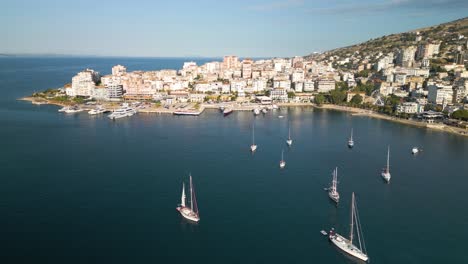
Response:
column 282, row 162
column 189, row 112
column 227, row 111
column 346, row 245
column 386, row 171
column 351, row 141
column 190, row 213
column 124, row 111
column 253, row 147
column 332, row 191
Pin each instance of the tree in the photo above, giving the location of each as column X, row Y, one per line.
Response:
column 460, row 114
column 319, row 99
column 267, row 93
column 337, row 96
column 363, row 73
column 357, row 99
column 291, row 94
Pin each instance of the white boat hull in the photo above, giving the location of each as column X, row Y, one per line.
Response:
column 346, row 246
column 188, row 214
column 282, row 164
column 386, row 176
column 350, row 144
column 414, row 151
column 289, row 142
column 253, row 148
column 334, row 196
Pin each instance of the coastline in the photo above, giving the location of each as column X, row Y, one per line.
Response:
column 368, row 113
column 353, row 110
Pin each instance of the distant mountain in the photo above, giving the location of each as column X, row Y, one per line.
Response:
column 451, row 35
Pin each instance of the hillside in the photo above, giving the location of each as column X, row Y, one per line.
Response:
column 451, row 35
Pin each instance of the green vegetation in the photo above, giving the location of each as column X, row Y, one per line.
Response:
column 460, row 114
column 319, row 99
column 291, row 94
column 363, row 73
column 337, row 96
column 356, row 100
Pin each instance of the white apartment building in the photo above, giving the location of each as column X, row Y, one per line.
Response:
column 259, row 85
column 114, row 91
column 119, row 70
column 279, row 94
column 83, row 84
column 285, row 84
column 325, row 85
column 309, row 85
column 408, row 108
column 439, row 94
column 297, row 76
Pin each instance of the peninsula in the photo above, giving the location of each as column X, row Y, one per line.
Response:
column 418, row 77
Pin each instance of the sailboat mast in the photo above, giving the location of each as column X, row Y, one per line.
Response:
column 289, row 133
column 335, row 179
column 282, row 155
column 253, row 134
column 388, row 160
column 191, row 193
column 351, row 134
column 182, row 202
column 352, row 219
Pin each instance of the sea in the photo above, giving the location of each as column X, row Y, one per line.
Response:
column 76, row 188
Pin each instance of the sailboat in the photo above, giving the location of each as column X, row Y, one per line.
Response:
column 347, row 246
column 351, row 141
column 386, row 171
column 332, row 192
column 253, row 147
column 191, row 213
column 289, row 140
column 282, row 162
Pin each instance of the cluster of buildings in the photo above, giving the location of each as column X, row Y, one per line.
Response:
column 231, row 77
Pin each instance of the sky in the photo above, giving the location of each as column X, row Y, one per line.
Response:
column 209, row 28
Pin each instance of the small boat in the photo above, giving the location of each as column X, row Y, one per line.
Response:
column 73, row 109
column 227, row 111
column 346, row 245
column 351, row 141
column 323, row 232
column 280, row 116
column 191, row 213
column 415, row 150
column 264, row 111
column 256, row 111
column 63, row 109
column 274, row 106
column 124, row 111
column 253, row 147
column 386, row 171
column 289, row 140
column 98, row 110
column 332, row 191
column 282, row 162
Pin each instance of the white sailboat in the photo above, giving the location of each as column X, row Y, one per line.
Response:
column 253, row 147
column 351, row 141
column 289, row 140
column 191, row 213
column 332, row 191
column 386, row 171
column 415, row 150
column 282, row 162
column 347, row 246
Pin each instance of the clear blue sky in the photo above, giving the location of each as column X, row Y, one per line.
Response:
column 210, row 28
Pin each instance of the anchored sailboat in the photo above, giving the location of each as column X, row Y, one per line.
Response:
column 191, row 213
column 282, row 162
column 253, row 147
column 289, row 140
column 351, row 141
column 332, row 191
column 386, row 171
column 346, row 245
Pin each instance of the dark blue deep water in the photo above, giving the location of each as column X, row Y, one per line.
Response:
column 83, row 189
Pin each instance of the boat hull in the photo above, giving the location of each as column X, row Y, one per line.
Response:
column 282, row 164
column 334, row 197
column 188, row 214
column 386, row 176
column 350, row 144
column 347, row 247
column 227, row 112
column 253, row 148
column 289, row 142
column 179, row 113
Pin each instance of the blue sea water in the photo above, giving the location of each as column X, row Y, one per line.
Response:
column 83, row 189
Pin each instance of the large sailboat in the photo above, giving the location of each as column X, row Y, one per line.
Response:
column 191, row 213
column 351, row 141
column 282, row 162
column 253, row 147
column 386, row 171
column 289, row 140
column 346, row 245
column 332, row 191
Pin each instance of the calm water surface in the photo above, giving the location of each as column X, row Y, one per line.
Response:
column 83, row 189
